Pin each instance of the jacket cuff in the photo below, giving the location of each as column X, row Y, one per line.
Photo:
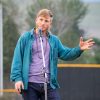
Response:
column 79, row 49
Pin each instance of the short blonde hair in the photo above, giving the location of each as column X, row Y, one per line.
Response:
column 45, row 12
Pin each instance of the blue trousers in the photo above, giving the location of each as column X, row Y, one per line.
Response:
column 36, row 91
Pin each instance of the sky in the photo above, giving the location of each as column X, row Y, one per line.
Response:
column 91, row 22
column 91, row 0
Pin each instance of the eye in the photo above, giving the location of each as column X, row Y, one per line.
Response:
column 41, row 19
column 46, row 21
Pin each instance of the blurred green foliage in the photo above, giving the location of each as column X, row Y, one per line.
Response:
column 67, row 15
column 10, row 37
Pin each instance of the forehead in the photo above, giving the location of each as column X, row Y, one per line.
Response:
column 44, row 17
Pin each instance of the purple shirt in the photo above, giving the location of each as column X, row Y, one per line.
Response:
column 36, row 66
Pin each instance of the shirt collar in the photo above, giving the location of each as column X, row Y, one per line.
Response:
column 32, row 33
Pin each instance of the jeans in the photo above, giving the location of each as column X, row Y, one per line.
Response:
column 36, row 91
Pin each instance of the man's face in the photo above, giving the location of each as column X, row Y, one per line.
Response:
column 43, row 22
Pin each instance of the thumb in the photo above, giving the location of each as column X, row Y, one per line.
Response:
column 81, row 39
column 22, row 85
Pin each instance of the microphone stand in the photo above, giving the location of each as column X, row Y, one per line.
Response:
column 44, row 67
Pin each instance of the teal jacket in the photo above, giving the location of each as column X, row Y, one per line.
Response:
column 23, row 54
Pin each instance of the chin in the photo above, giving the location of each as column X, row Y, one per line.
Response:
column 44, row 29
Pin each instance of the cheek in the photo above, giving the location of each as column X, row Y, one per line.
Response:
column 38, row 23
column 47, row 24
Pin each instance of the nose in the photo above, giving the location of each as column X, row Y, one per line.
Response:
column 43, row 22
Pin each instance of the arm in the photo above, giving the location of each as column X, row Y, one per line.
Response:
column 17, row 66
column 66, row 53
column 17, row 62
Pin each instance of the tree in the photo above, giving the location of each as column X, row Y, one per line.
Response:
column 95, row 53
column 67, row 15
column 10, row 36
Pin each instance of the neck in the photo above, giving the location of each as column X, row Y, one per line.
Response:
column 44, row 32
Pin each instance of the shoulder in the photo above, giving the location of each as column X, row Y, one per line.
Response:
column 25, row 36
column 54, row 37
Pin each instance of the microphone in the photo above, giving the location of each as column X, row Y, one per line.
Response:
column 40, row 32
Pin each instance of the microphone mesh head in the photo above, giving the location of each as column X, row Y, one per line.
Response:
column 40, row 32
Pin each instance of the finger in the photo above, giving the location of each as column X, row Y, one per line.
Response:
column 16, row 87
column 19, row 88
column 89, row 40
column 81, row 39
column 92, row 42
column 90, row 45
column 22, row 86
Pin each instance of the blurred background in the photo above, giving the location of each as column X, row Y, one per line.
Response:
column 72, row 19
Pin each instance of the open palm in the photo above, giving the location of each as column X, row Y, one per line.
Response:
column 86, row 45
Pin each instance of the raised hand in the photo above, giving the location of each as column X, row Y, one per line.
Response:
column 86, row 45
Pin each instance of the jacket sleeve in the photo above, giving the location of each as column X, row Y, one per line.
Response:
column 66, row 53
column 17, row 62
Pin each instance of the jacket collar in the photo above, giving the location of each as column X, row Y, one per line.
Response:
column 48, row 33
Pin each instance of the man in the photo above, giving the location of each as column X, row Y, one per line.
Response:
column 27, row 66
